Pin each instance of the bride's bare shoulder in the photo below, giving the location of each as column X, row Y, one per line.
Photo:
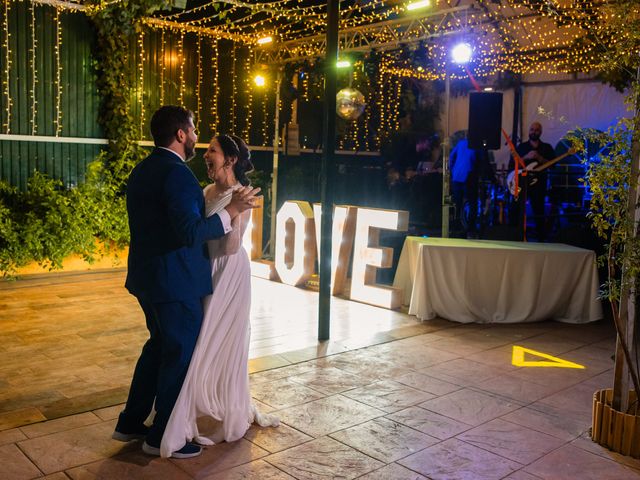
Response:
column 209, row 191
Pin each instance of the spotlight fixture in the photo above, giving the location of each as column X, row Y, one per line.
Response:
column 461, row 53
column 265, row 40
column 418, row 5
column 259, row 80
column 343, row 64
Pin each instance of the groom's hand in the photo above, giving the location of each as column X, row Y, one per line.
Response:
column 242, row 199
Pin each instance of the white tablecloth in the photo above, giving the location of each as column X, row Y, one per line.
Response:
column 488, row 281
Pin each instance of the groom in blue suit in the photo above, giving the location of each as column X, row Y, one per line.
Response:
column 168, row 271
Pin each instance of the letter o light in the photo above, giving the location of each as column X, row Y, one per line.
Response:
column 295, row 244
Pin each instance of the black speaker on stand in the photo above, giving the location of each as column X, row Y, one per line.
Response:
column 485, row 120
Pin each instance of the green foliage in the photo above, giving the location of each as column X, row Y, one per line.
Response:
column 117, row 25
column 608, row 177
column 42, row 224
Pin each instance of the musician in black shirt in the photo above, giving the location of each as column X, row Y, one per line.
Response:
column 533, row 150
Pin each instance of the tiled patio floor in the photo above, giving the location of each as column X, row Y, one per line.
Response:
column 437, row 400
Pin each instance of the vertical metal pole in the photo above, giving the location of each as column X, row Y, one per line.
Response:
column 446, row 181
column 274, row 174
column 327, row 168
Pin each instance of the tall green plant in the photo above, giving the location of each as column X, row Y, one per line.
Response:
column 117, row 25
column 612, row 179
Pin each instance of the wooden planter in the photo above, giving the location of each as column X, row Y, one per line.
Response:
column 618, row 431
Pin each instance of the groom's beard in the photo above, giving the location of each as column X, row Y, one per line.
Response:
column 189, row 150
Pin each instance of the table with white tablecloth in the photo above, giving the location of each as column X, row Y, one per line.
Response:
column 487, row 281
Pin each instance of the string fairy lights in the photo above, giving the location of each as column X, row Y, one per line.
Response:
column 58, row 82
column 181, row 60
column 34, row 72
column 516, row 36
column 246, row 132
column 141, row 61
column 198, row 82
column 161, row 58
column 6, row 78
column 215, row 121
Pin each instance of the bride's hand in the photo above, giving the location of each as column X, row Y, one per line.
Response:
column 242, row 199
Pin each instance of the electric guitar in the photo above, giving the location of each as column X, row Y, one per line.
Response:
column 534, row 167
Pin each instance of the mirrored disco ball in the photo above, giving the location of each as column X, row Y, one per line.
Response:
column 350, row 103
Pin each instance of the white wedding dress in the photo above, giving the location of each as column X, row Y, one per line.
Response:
column 217, row 382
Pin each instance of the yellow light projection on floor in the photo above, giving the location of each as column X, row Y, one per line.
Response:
column 517, row 359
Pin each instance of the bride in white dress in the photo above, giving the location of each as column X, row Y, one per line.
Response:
column 217, row 382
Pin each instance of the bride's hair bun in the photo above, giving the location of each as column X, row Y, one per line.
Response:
column 234, row 146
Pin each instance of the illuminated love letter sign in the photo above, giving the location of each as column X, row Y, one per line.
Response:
column 295, row 242
column 369, row 256
column 343, row 231
column 252, row 243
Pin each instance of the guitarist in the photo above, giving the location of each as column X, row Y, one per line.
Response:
column 533, row 150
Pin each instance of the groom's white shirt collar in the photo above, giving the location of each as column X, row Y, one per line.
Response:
column 172, row 151
column 224, row 216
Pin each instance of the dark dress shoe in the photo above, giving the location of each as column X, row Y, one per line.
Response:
column 127, row 435
column 188, row 451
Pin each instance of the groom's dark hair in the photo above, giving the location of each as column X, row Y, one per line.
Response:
column 166, row 122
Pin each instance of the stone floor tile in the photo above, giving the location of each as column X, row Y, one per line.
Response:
column 109, row 413
column 133, row 465
column 585, row 442
column 462, row 371
column 417, row 358
column 516, row 389
column 427, row 384
column 511, row 441
column 552, row 344
column 259, row 469
column 60, row 424
column 393, row 471
column 565, row 462
column 323, row 458
column 549, row 422
column 454, row 459
column 521, row 475
column 17, row 418
column 11, row 436
column 384, row 439
column 276, row 439
column 328, row 415
column 220, row 457
column 388, row 395
column 469, row 406
column 283, row 393
column 64, row 450
column 55, row 476
column 279, row 373
column 575, row 401
column 329, row 380
column 366, row 364
column 428, row 422
column 15, row 465
column 461, row 348
column 84, row 403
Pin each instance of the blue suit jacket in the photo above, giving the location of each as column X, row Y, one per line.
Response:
column 168, row 257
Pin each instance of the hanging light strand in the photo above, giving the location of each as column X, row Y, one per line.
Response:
column 58, row 119
column 181, row 59
column 141, row 60
column 216, row 87
column 198, row 83
column 162, row 66
column 34, row 72
column 6, row 79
